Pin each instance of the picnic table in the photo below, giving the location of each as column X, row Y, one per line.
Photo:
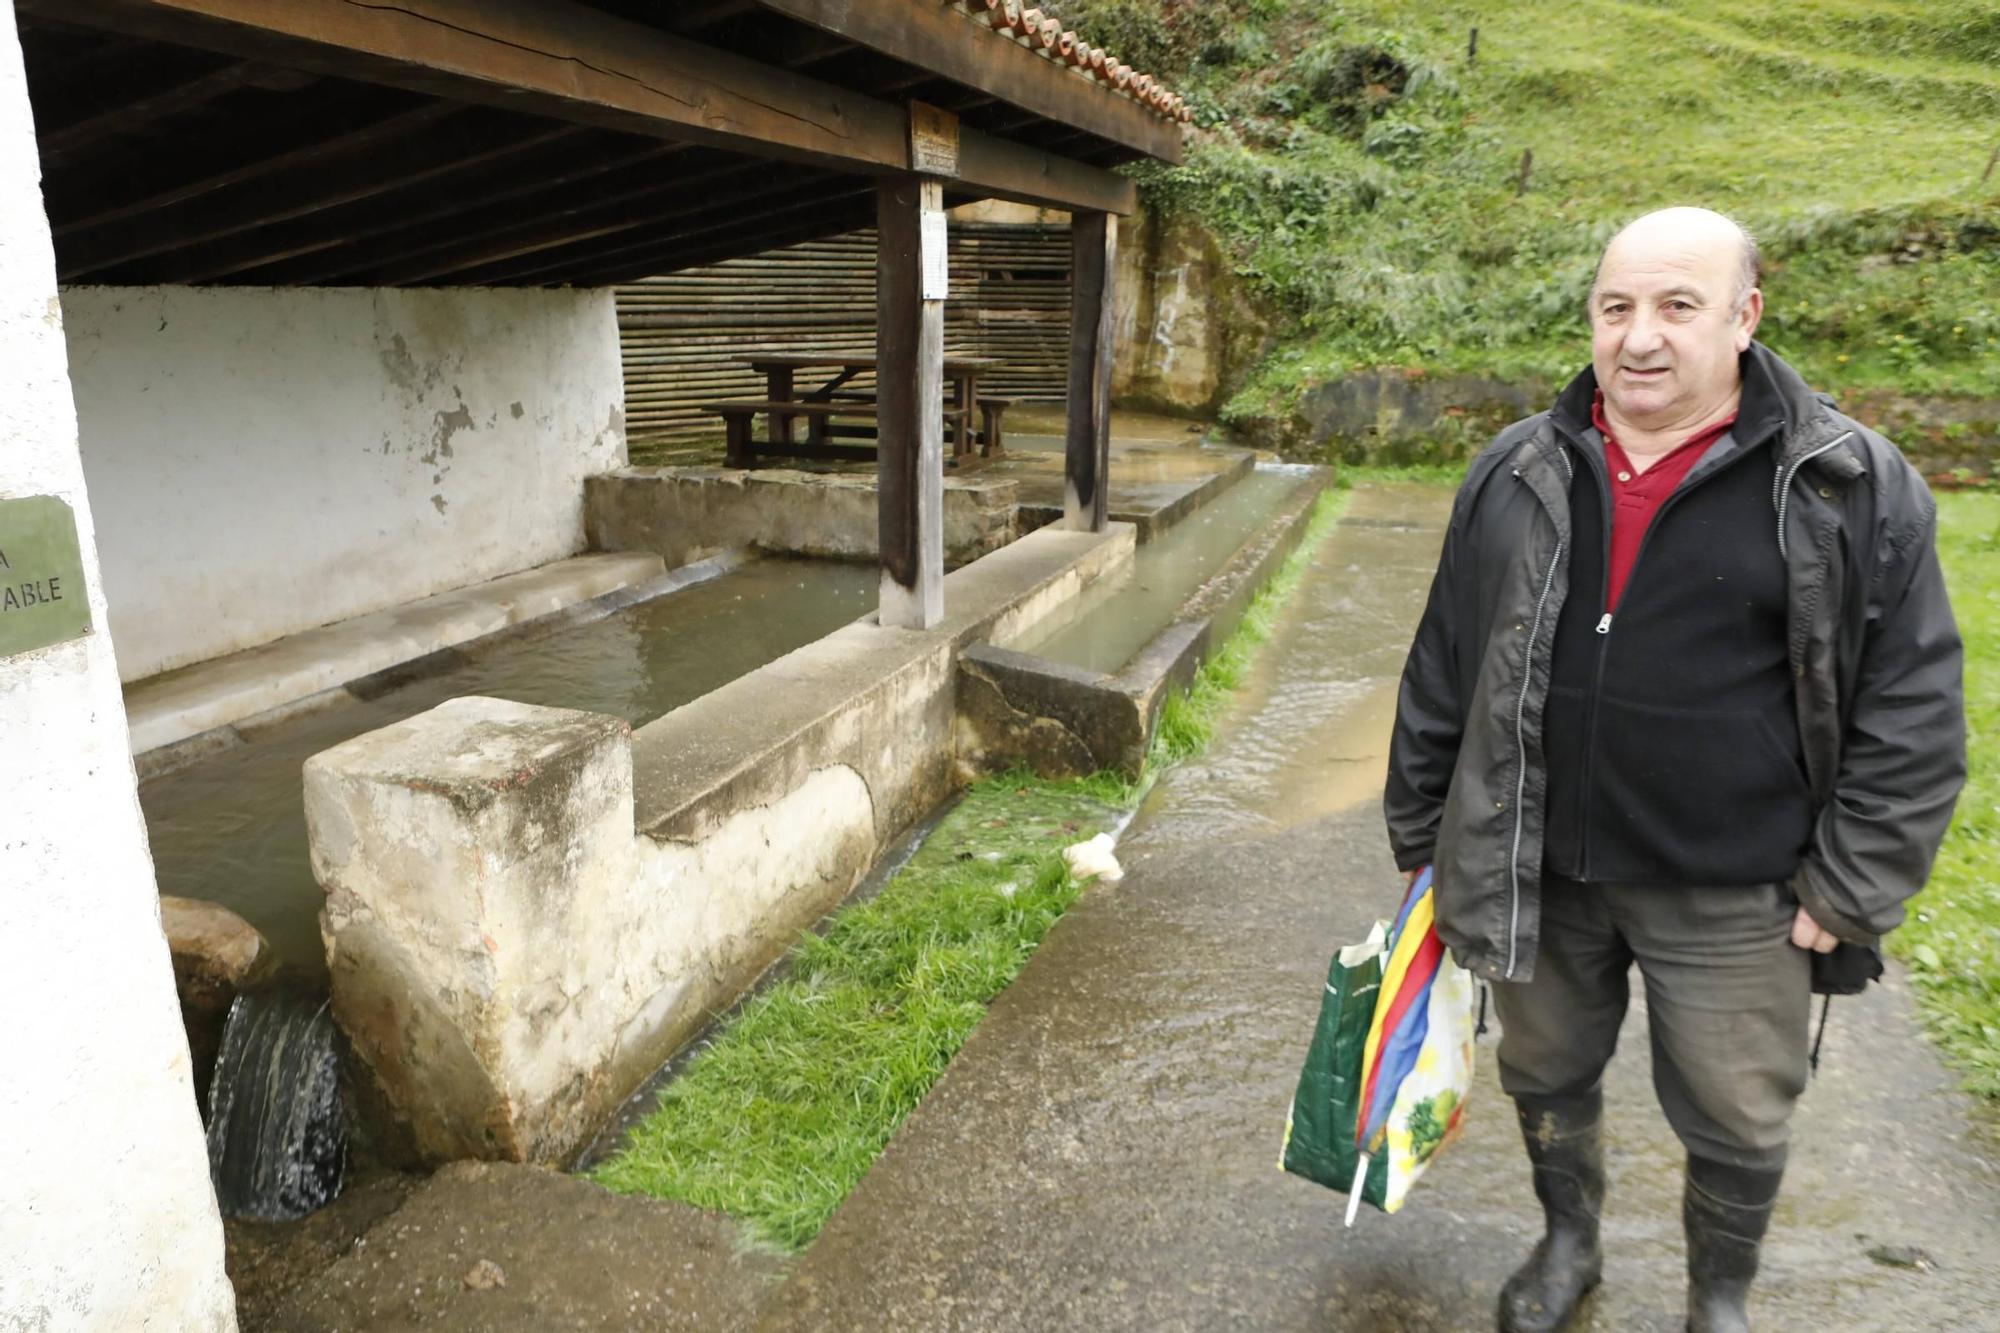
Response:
column 820, row 404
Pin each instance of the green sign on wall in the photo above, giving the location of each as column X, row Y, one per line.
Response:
column 42, row 597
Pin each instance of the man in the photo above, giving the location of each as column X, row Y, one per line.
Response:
column 1686, row 694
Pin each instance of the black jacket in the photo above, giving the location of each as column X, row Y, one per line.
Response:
column 1670, row 737
column 1872, row 648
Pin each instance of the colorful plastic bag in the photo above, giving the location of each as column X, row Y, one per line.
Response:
column 1390, row 1065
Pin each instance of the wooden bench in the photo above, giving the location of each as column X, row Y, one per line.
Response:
column 990, row 411
column 742, row 446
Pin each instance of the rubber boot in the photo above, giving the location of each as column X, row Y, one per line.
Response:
column 1725, row 1210
column 1566, row 1148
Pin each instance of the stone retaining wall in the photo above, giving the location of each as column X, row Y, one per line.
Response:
column 687, row 513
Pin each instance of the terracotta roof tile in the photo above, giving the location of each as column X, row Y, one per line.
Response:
column 1046, row 36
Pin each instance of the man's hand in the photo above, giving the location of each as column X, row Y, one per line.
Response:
column 1410, row 878
column 1809, row 934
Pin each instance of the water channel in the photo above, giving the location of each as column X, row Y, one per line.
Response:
column 1098, row 636
column 231, row 828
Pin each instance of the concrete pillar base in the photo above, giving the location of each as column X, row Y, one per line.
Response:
column 472, row 856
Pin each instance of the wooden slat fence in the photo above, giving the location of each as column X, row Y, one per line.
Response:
column 678, row 333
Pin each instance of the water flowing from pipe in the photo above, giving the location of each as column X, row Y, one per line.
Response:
column 277, row 1133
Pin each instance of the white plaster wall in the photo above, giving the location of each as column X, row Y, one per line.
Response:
column 266, row 460
column 106, row 1216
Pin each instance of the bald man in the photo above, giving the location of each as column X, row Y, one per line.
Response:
column 1686, row 695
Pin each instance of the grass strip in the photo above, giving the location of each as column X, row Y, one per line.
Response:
column 1952, row 939
column 785, row 1109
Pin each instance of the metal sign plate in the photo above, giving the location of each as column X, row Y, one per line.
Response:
column 933, row 141
column 42, row 595
column 936, row 265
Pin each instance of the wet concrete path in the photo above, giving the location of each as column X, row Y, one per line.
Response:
column 1102, row 1154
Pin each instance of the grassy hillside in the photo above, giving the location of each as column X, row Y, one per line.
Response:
column 1366, row 174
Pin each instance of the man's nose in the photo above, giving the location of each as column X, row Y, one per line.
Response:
column 1642, row 335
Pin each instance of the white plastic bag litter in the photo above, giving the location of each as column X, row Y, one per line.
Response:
column 1094, row 860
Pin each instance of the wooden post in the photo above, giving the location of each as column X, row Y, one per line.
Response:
column 1087, row 457
column 909, row 459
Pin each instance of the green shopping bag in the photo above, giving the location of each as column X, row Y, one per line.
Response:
column 1319, row 1129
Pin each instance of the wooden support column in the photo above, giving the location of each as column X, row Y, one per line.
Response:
column 909, row 345
column 1087, row 457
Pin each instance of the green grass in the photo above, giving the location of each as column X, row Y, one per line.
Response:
column 1381, row 225
column 1952, row 939
column 783, row 1112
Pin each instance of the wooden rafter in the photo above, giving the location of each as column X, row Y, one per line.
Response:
column 652, row 210
column 357, row 241
column 179, row 230
column 138, row 184
column 835, row 217
column 565, row 60
column 135, row 113
column 723, row 222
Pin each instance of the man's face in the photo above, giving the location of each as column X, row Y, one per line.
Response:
column 1665, row 332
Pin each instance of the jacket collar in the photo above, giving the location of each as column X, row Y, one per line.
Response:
column 1776, row 403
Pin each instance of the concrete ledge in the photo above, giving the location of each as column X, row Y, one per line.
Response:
column 684, row 513
column 1226, row 594
column 178, row 705
column 1151, row 521
column 1062, row 721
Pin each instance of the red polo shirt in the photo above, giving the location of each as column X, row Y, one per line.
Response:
column 1637, row 496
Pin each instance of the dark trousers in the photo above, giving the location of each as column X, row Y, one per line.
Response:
column 1728, row 1001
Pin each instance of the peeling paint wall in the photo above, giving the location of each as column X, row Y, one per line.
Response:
column 107, row 1221
column 266, row 460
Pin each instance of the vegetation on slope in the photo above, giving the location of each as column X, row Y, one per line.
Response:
column 1367, row 174
column 1952, row 939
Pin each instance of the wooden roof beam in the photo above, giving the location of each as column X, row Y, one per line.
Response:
column 562, row 59
column 940, row 39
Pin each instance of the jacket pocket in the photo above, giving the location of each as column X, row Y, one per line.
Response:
column 1694, row 797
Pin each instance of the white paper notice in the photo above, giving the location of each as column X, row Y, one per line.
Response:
column 936, row 265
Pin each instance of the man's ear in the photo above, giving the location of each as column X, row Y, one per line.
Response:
column 1748, row 318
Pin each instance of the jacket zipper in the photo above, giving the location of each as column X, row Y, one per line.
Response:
column 1609, row 509
column 1781, row 489
column 1604, row 638
column 1521, row 734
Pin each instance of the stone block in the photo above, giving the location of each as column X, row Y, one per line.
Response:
column 216, row 955
column 479, row 868
column 1061, row 721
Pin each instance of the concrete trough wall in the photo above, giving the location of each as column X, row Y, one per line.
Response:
column 268, row 460
column 1063, row 721
column 685, row 514
column 529, row 909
